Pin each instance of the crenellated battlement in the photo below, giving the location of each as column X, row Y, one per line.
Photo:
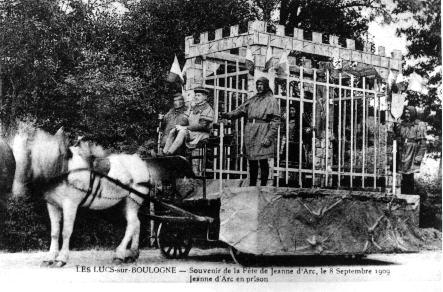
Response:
column 258, row 38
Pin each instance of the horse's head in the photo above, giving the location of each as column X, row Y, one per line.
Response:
column 40, row 157
column 49, row 154
column 84, row 154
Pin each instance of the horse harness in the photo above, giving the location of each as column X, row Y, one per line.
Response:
column 95, row 189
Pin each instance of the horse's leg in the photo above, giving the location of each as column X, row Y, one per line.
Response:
column 55, row 216
column 69, row 213
column 132, row 228
column 136, row 236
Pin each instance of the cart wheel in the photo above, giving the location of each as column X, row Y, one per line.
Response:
column 173, row 242
column 241, row 258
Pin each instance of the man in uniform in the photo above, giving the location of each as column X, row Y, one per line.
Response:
column 175, row 116
column 200, row 118
column 411, row 133
column 262, row 114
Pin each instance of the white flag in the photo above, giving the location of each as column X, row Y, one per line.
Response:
column 391, row 78
column 283, row 64
column 268, row 62
column 397, row 104
column 175, row 74
column 249, row 60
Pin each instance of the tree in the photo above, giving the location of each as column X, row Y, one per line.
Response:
column 347, row 19
column 424, row 56
column 62, row 67
column 77, row 63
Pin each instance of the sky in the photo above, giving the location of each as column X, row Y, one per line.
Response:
column 384, row 35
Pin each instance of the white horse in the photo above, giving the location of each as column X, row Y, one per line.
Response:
column 82, row 187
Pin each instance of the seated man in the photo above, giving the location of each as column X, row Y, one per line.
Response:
column 200, row 118
column 175, row 116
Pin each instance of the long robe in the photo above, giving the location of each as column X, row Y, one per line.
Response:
column 412, row 145
column 263, row 107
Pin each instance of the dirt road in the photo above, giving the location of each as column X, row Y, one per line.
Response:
column 215, row 265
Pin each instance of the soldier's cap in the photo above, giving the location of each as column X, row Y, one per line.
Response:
column 201, row 90
column 177, row 94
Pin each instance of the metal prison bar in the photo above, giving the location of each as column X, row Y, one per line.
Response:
column 348, row 144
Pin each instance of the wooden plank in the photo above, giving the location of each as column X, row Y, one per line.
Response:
column 213, row 47
column 376, row 60
column 327, row 130
column 204, row 49
column 281, row 42
column 287, row 43
column 302, row 97
column 350, row 44
column 276, row 41
column 381, row 51
column 333, row 41
column 366, row 58
column 356, row 56
column 397, row 55
column 218, row 33
column 189, row 41
column 367, row 47
column 320, row 50
column 308, row 47
column 238, row 41
column 227, row 44
column 314, row 108
column 226, row 56
column 317, row 37
column 339, row 127
column 395, row 64
column 287, row 134
column 334, row 52
column 263, row 39
column 345, row 54
column 280, row 30
column 384, row 62
column 233, row 30
column 256, row 25
column 297, row 45
column 298, row 33
column 363, row 165
column 352, row 131
column 204, row 37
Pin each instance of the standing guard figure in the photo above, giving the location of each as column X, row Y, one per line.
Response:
column 262, row 114
column 411, row 132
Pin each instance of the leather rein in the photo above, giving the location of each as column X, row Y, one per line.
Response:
column 93, row 174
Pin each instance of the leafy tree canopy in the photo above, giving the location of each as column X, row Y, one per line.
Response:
column 423, row 34
column 101, row 72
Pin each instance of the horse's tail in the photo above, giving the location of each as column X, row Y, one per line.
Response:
column 7, row 170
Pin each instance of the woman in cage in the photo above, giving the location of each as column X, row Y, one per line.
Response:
column 262, row 115
column 411, row 134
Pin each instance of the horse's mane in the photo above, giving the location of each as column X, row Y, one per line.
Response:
column 90, row 150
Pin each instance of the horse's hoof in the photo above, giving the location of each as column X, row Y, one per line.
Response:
column 117, row 261
column 46, row 264
column 58, row 264
column 129, row 260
